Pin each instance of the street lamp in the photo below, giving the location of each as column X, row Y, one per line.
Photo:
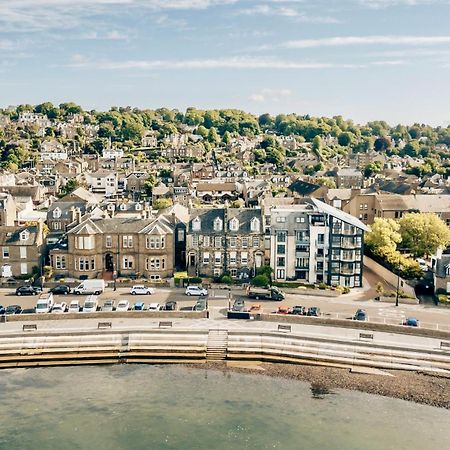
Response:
column 398, row 279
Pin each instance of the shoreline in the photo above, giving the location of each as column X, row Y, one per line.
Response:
column 417, row 387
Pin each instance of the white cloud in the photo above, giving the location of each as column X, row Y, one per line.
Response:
column 224, row 63
column 379, row 4
column 271, row 95
column 342, row 41
column 113, row 35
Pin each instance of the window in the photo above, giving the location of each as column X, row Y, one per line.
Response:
column 233, row 258
column 281, row 236
column 57, row 213
column 281, row 274
column 56, row 226
column 206, row 241
column 60, row 262
column 127, row 241
column 5, row 252
column 320, row 239
column 217, row 241
column 255, row 224
column 85, row 242
column 300, row 236
column 180, row 234
column 195, row 240
column 281, row 261
column 255, row 241
column 205, row 258
column 196, row 224
column 244, row 242
column 244, row 258
column 233, row 272
column 24, row 235
column 281, row 249
column 320, row 266
column 23, row 268
column 84, row 263
column 281, row 219
column 128, row 262
column 217, row 258
column 233, row 241
column 300, row 219
column 234, row 224
column 108, row 241
column 218, row 224
column 302, row 263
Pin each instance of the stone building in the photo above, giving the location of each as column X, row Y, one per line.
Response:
column 225, row 240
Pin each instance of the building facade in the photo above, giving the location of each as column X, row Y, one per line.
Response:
column 316, row 243
column 225, row 241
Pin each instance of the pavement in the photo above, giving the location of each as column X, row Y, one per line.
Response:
column 341, row 307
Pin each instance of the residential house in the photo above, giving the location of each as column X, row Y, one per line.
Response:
column 316, row 243
column 103, row 182
column 441, row 264
column 218, row 192
column 348, row 178
column 225, row 241
column 8, row 210
column 126, row 246
column 53, row 150
column 21, row 250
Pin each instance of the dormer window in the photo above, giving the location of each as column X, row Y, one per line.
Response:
column 196, row 224
column 57, row 213
column 234, row 224
column 255, row 224
column 24, row 235
column 218, row 224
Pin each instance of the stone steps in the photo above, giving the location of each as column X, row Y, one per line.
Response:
column 216, row 349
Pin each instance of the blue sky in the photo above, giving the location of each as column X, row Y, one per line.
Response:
column 363, row 59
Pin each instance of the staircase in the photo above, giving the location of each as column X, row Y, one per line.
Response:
column 217, row 345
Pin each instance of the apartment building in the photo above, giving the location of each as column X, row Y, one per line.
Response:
column 314, row 242
column 225, row 240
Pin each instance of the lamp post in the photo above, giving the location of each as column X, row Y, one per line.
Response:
column 398, row 279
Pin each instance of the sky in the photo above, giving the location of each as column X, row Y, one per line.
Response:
column 362, row 59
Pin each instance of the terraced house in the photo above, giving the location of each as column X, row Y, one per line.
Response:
column 105, row 247
column 314, row 242
column 225, row 240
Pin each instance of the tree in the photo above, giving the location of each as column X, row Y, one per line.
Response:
column 260, row 281
column 317, row 144
column 382, row 144
column 372, row 168
column 162, row 203
column 213, row 136
column 423, row 233
column 345, row 139
column 149, row 184
column 69, row 187
column 384, row 235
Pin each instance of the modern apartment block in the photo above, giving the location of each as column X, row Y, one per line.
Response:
column 314, row 242
column 225, row 240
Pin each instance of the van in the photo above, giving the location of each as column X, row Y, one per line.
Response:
column 90, row 287
column 90, row 304
column 44, row 303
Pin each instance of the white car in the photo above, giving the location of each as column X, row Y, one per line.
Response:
column 196, row 290
column 74, row 306
column 154, row 307
column 59, row 308
column 90, row 304
column 123, row 305
column 140, row 289
column 423, row 264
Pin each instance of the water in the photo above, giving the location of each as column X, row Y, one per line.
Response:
column 174, row 407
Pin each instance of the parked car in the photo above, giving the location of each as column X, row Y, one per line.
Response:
column 283, row 309
column 108, row 305
column 422, row 264
column 139, row 306
column 13, row 309
column 123, row 305
column 2, row 309
column 298, row 310
column 74, row 306
column 90, row 287
column 90, row 304
column 411, row 322
column 59, row 308
column 171, row 305
column 313, row 311
column 28, row 290
column 154, row 307
column 44, row 303
column 61, row 289
column 360, row 315
column 201, row 305
column 238, row 305
column 255, row 307
column 140, row 289
column 196, row 290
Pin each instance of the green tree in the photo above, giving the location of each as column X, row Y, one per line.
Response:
column 423, row 233
column 382, row 144
column 372, row 168
column 345, row 139
column 162, row 203
column 260, row 281
column 384, row 235
column 69, row 187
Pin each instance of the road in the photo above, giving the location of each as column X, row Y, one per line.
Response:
column 336, row 307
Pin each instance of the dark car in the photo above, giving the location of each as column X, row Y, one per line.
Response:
column 238, row 305
column 411, row 322
column 28, row 290
column 313, row 311
column 360, row 315
column 13, row 309
column 298, row 310
column 61, row 289
column 2, row 309
column 170, row 306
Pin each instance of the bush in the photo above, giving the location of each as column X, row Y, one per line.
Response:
column 322, row 286
column 226, row 279
column 444, row 299
column 260, row 281
column 195, row 280
column 265, row 270
column 343, row 289
column 441, row 291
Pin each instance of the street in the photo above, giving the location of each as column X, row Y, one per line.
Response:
column 341, row 307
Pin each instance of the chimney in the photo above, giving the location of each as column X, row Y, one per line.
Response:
column 78, row 215
column 72, row 214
